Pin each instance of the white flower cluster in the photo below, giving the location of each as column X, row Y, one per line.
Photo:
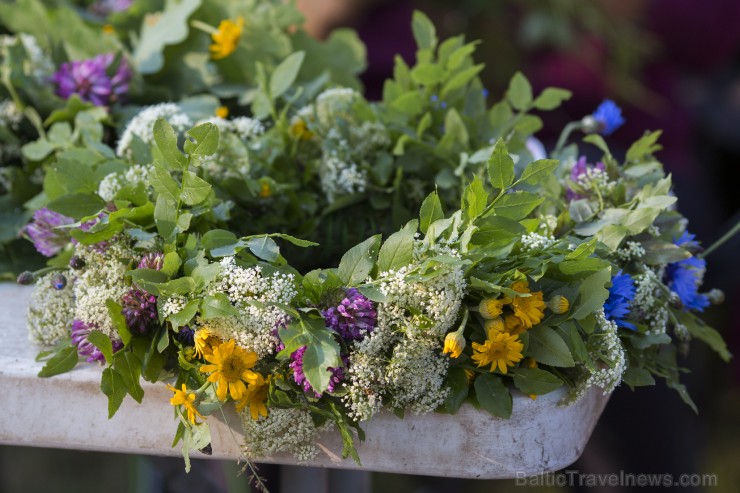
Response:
column 608, row 349
column 172, row 304
column 339, row 177
column 112, row 183
column 335, row 103
column 103, row 277
column 535, row 241
column 283, row 430
column 10, row 116
column 595, row 179
column 142, row 125
column 548, row 224
column 632, row 250
column 401, row 358
column 50, row 311
column 236, row 140
column 244, row 127
column 647, row 303
column 251, row 291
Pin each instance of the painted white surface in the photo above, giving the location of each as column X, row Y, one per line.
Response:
column 70, row 411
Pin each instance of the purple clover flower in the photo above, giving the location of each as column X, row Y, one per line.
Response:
column 86, row 349
column 609, row 117
column 577, row 173
column 186, row 336
column 152, row 261
column 90, row 80
column 46, row 239
column 353, row 318
column 139, row 308
column 337, row 374
column 105, row 8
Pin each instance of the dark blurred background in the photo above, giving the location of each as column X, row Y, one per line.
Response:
column 670, row 64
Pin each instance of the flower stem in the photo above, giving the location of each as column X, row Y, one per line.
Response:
column 567, row 130
column 725, row 237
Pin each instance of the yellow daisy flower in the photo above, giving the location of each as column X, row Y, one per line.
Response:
column 454, row 343
column 513, row 324
column 204, row 341
column 500, row 349
column 497, row 325
column 226, row 38
column 491, row 308
column 558, row 304
column 529, row 309
column 186, row 399
column 256, row 398
column 222, row 112
column 230, row 367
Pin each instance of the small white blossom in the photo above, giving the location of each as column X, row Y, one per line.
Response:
column 536, row 241
column 632, row 250
column 283, row 430
column 142, row 125
column 50, row 311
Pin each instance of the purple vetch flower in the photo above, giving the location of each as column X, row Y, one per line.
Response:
column 85, row 348
column 105, row 8
column 139, row 308
column 337, row 374
column 578, row 174
column 186, row 336
column 91, row 81
column 353, row 318
column 152, row 261
column 46, row 238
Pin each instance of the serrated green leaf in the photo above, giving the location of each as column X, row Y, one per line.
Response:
column 113, row 385
column 547, row 347
column 593, row 293
column 538, row 171
column 646, row 146
column 492, row 395
column 475, row 199
column 63, row 361
column 202, row 140
column 517, row 205
column 500, row 166
column 519, row 93
column 285, row 74
column 359, row 261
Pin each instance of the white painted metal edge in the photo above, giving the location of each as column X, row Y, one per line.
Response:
column 69, row 411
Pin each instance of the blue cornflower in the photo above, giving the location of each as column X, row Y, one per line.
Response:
column 609, row 117
column 685, row 277
column 617, row 306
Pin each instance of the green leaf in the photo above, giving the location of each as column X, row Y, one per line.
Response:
column 217, row 305
column 593, row 293
column 397, row 250
column 171, row 264
column 264, row 247
column 129, row 367
column 77, row 205
column 202, row 140
column 428, row 74
column 166, row 140
column 165, row 217
column 217, row 238
column 163, row 184
column 103, row 343
column 519, row 93
column 159, row 30
column 646, row 146
column 113, row 385
column 457, row 382
column 492, row 395
column 148, row 279
column 599, row 142
column 410, row 103
column 704, row 333
column 612, row 235
column 194, row 190
column 580, row 210
column 460, row 79
column 475, row 199
column 431, row 210
column 500, row 166
column 37, row 150
column 63, row 361
column 538, row 171
column 322, row 353
column 662, row 252
column 115, row 312
column 425, row 33
column 551, row 98
column 296, row 241
column 638, row 377
column 359, row 261
column 285, row 74
column 517, row 205
column 184, row 316
column 535, row 380
column 546, row 346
